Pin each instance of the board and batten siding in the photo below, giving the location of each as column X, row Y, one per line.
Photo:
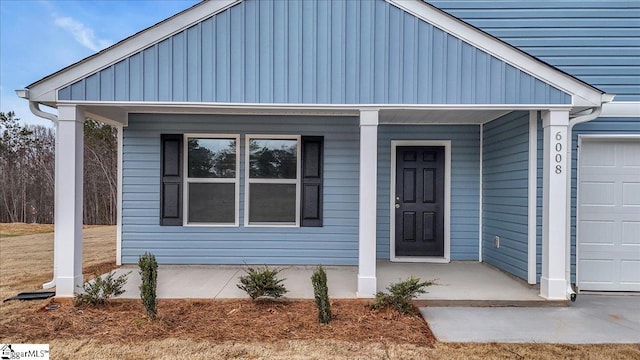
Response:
column 465, row 183
column 335, row 243
column 505, row 193
column 314, row 52
column 596, row 41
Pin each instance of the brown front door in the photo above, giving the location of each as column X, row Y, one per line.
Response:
column 419, row 203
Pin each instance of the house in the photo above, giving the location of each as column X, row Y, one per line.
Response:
column 343, row 132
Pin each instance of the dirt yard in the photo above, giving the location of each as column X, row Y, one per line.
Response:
column 208, row 329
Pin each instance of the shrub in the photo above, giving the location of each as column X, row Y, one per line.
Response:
column 401, row 293
column 149, row 275
column 262, row 282
column 321, row 294
column 98, row 291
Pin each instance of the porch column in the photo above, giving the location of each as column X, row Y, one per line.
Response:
column 556, row 173
column 68, row 200
column 368, row 200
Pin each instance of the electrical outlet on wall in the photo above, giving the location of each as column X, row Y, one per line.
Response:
column 496, row 241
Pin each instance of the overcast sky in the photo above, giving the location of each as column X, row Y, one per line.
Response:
column 40, row 37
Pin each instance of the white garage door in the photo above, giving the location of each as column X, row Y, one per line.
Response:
column 609, row 215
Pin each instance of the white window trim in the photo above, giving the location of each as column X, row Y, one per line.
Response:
column 187, row 180
column 447, row 202
column 295, row 181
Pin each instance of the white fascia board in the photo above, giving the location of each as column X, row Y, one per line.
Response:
column 45, row 90
column 621, row 109
column 582, row 94
column 350, row 108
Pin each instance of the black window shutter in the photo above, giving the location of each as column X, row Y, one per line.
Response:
column 171, row 180
column 312, row 168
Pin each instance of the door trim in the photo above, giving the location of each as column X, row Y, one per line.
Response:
column 588, row 138
column 447, row 202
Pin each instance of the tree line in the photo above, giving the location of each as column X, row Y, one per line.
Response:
column 27, row 168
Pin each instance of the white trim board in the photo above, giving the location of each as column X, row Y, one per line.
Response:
column 621, row 109
column 447, row 202
column 480, row 195
column 350, row 109
column 582, row 94
column 532, row 202
column 120, row 145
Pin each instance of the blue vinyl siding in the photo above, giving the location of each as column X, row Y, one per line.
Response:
column 465, row 183
column 539, row 192
column 336, row 243
column 505, row 192
column 596, row 41
column 314, row 52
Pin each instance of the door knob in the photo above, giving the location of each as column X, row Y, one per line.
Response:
column 397, row 206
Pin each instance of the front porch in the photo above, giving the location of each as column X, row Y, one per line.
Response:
column 460, row 281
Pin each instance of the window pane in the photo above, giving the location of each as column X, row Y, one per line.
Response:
column 273, row 158
column 212, row 203
column 272, row 203
column 212, row 158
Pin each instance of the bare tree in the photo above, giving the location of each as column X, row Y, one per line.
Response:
column 26, row 171
column 100, row 173
column 27, row 161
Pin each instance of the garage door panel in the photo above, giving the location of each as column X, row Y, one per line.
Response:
column 597, row 193
column 609, row 215
column 601, row 158
column 631, row 233
column 630, row 194
column 597, row 271
column 630, row 154
column 597, row 232
column 629, row 268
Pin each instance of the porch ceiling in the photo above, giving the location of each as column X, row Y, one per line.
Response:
column 439, row 116
column 118, row 113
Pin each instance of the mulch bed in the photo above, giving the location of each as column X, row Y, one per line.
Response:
column 124, row 321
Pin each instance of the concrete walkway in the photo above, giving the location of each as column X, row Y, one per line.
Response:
column 592, row 319
column 462, row 281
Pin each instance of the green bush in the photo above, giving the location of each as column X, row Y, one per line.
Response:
column 148, row 288
column 401, row 293
column 98, row 291
column 321, row 294
column 262, row 282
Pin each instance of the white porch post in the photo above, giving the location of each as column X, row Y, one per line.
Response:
column 68, row 200
column 368, row 183
column 556, row 173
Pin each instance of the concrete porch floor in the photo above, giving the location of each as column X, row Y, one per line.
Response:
column 457, row 281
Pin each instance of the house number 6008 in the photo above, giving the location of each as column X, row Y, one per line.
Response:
column 558, row 149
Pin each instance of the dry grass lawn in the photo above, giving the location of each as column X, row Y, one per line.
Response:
column 18, row 229
column 204, row 329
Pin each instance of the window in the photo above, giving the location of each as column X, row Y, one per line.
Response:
column 272, row 180
column 211, row 174
column 200, row 180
